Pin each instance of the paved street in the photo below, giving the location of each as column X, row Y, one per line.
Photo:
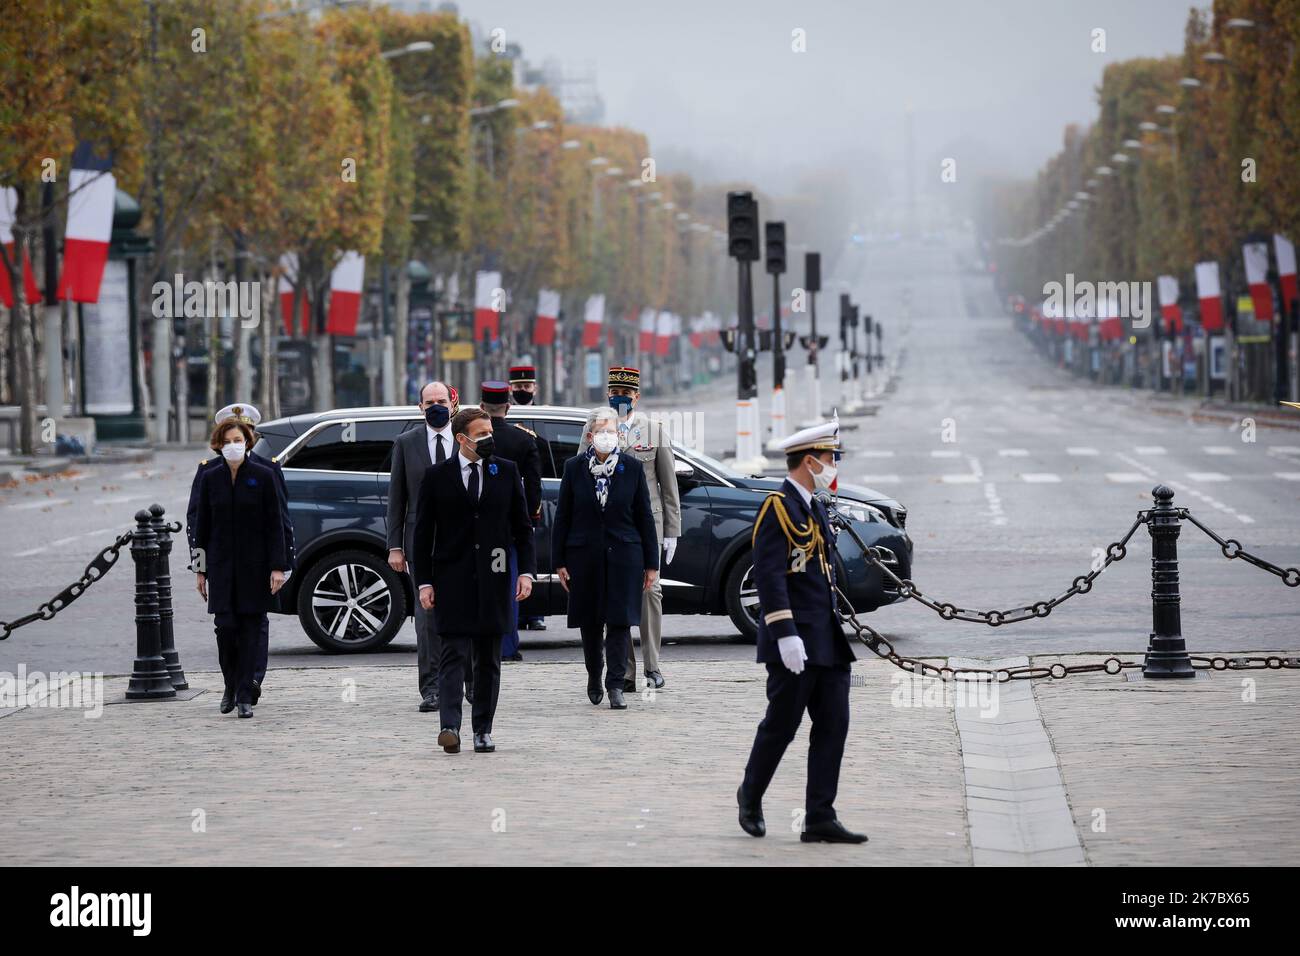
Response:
column 1043, row 471
column 337, row 768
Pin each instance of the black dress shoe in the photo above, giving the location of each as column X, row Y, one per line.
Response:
column 655, row 679
column 245, row 710
column 594, row 692
column 483, row 744
column 629, row 685
column 832, row 831
column 429, row 705
column 751, row 814
column 227, row 701
column 449, row 740
column 616, row 701
column 257, row 692
column 535, row 625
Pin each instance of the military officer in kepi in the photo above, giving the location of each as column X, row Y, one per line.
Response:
column 248, row 415
column 647, row 442
column 800, row 639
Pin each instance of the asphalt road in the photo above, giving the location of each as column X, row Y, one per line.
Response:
column 1015, row 476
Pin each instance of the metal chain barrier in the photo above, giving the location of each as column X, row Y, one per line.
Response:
column 1117, row 551
column 96, row 569
column 1232, row 549
column 882, row 648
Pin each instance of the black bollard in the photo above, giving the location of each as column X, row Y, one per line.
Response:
column 1167, row 652
column 149, row 678
column 163, row 578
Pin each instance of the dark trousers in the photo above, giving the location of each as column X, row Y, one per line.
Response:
column 824, row 693
column 263, row 649
column 428, row 647
column 458, row 650
column 615, row 647
column 237, row 638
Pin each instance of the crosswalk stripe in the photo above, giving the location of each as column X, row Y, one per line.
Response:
column 1219, row 450
column 877, row 453
column 881, row 480
column 1040, row 478
column 1081, row 451
column 1150, row 449
column 1014, row 452
column 945, row 453
column 961, row 479
column 1125, row 477
column 1207, row 476
column 1287, row 475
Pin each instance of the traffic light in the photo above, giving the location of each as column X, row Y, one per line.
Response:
column 742, row 226
column 775, row 236
column 812, row 272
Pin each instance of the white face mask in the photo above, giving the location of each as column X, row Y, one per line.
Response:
column 234, row 451
column 823, row 479
column 605, row 442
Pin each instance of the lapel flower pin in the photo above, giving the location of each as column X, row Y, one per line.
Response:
column 492, row 468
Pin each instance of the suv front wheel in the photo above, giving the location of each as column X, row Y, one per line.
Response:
column 350, row 602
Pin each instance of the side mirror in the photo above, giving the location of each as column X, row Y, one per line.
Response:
column 684, row 470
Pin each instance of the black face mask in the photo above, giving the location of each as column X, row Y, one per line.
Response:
column 437, row 415
column 485, row 446
column 521, row 397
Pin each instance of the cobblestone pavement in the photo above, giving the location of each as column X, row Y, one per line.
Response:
column 338, row 768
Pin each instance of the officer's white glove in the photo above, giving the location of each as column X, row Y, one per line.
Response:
column 670, row 548
column 792, row 653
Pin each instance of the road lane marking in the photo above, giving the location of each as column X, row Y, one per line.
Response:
column 878, row 453
column 42, row 503
column 1040, row 477
column 1150, row 449
column 1219, row 450
column 1081, row 451
column 1207, row 476
column 881, row 479
column 996, row 513
column 945, row 453
column 1287, row 475
column 118, row 499
column 1126, row 477
column 1014, row 452
column 1285, row 450
column 961, row 479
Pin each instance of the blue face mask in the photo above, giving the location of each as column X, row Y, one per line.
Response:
column 621, row 404
column 437, row 415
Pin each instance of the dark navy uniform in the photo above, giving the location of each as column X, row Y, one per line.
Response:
column 793, row 550
column 191, row 519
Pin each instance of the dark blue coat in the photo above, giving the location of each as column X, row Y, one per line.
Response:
column 794, row 592
column 239, row 532
column 606, row 552
column 462, row 547
column 191, row 513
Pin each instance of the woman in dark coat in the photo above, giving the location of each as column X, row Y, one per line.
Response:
column 239, row 556
column 604, row 551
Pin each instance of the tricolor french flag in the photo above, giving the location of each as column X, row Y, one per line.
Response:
column 548, row 314
column 1255, row 257
column 346, row 282
column 593, row 319
column 1167, row 287
column 663, row 333
column 284, row 286
column 486, row 314
column 8, row 215
column 91, row 193
column 1285, row 252
column 645, row 341
column 1210, row 294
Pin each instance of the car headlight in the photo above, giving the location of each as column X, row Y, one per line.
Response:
column 861, row 511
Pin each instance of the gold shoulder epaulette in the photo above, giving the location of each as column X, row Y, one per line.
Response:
column 275, row 457
column 806, row 537
column 525, row 428
column 204, row 461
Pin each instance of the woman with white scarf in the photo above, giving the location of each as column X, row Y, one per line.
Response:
column 604, row 551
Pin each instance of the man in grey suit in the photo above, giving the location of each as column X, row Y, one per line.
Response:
column 416, row 450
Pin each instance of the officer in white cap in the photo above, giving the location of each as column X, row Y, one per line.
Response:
column 250, row 416
column 800, row 638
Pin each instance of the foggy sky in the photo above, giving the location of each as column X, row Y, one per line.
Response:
column 716, row 87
